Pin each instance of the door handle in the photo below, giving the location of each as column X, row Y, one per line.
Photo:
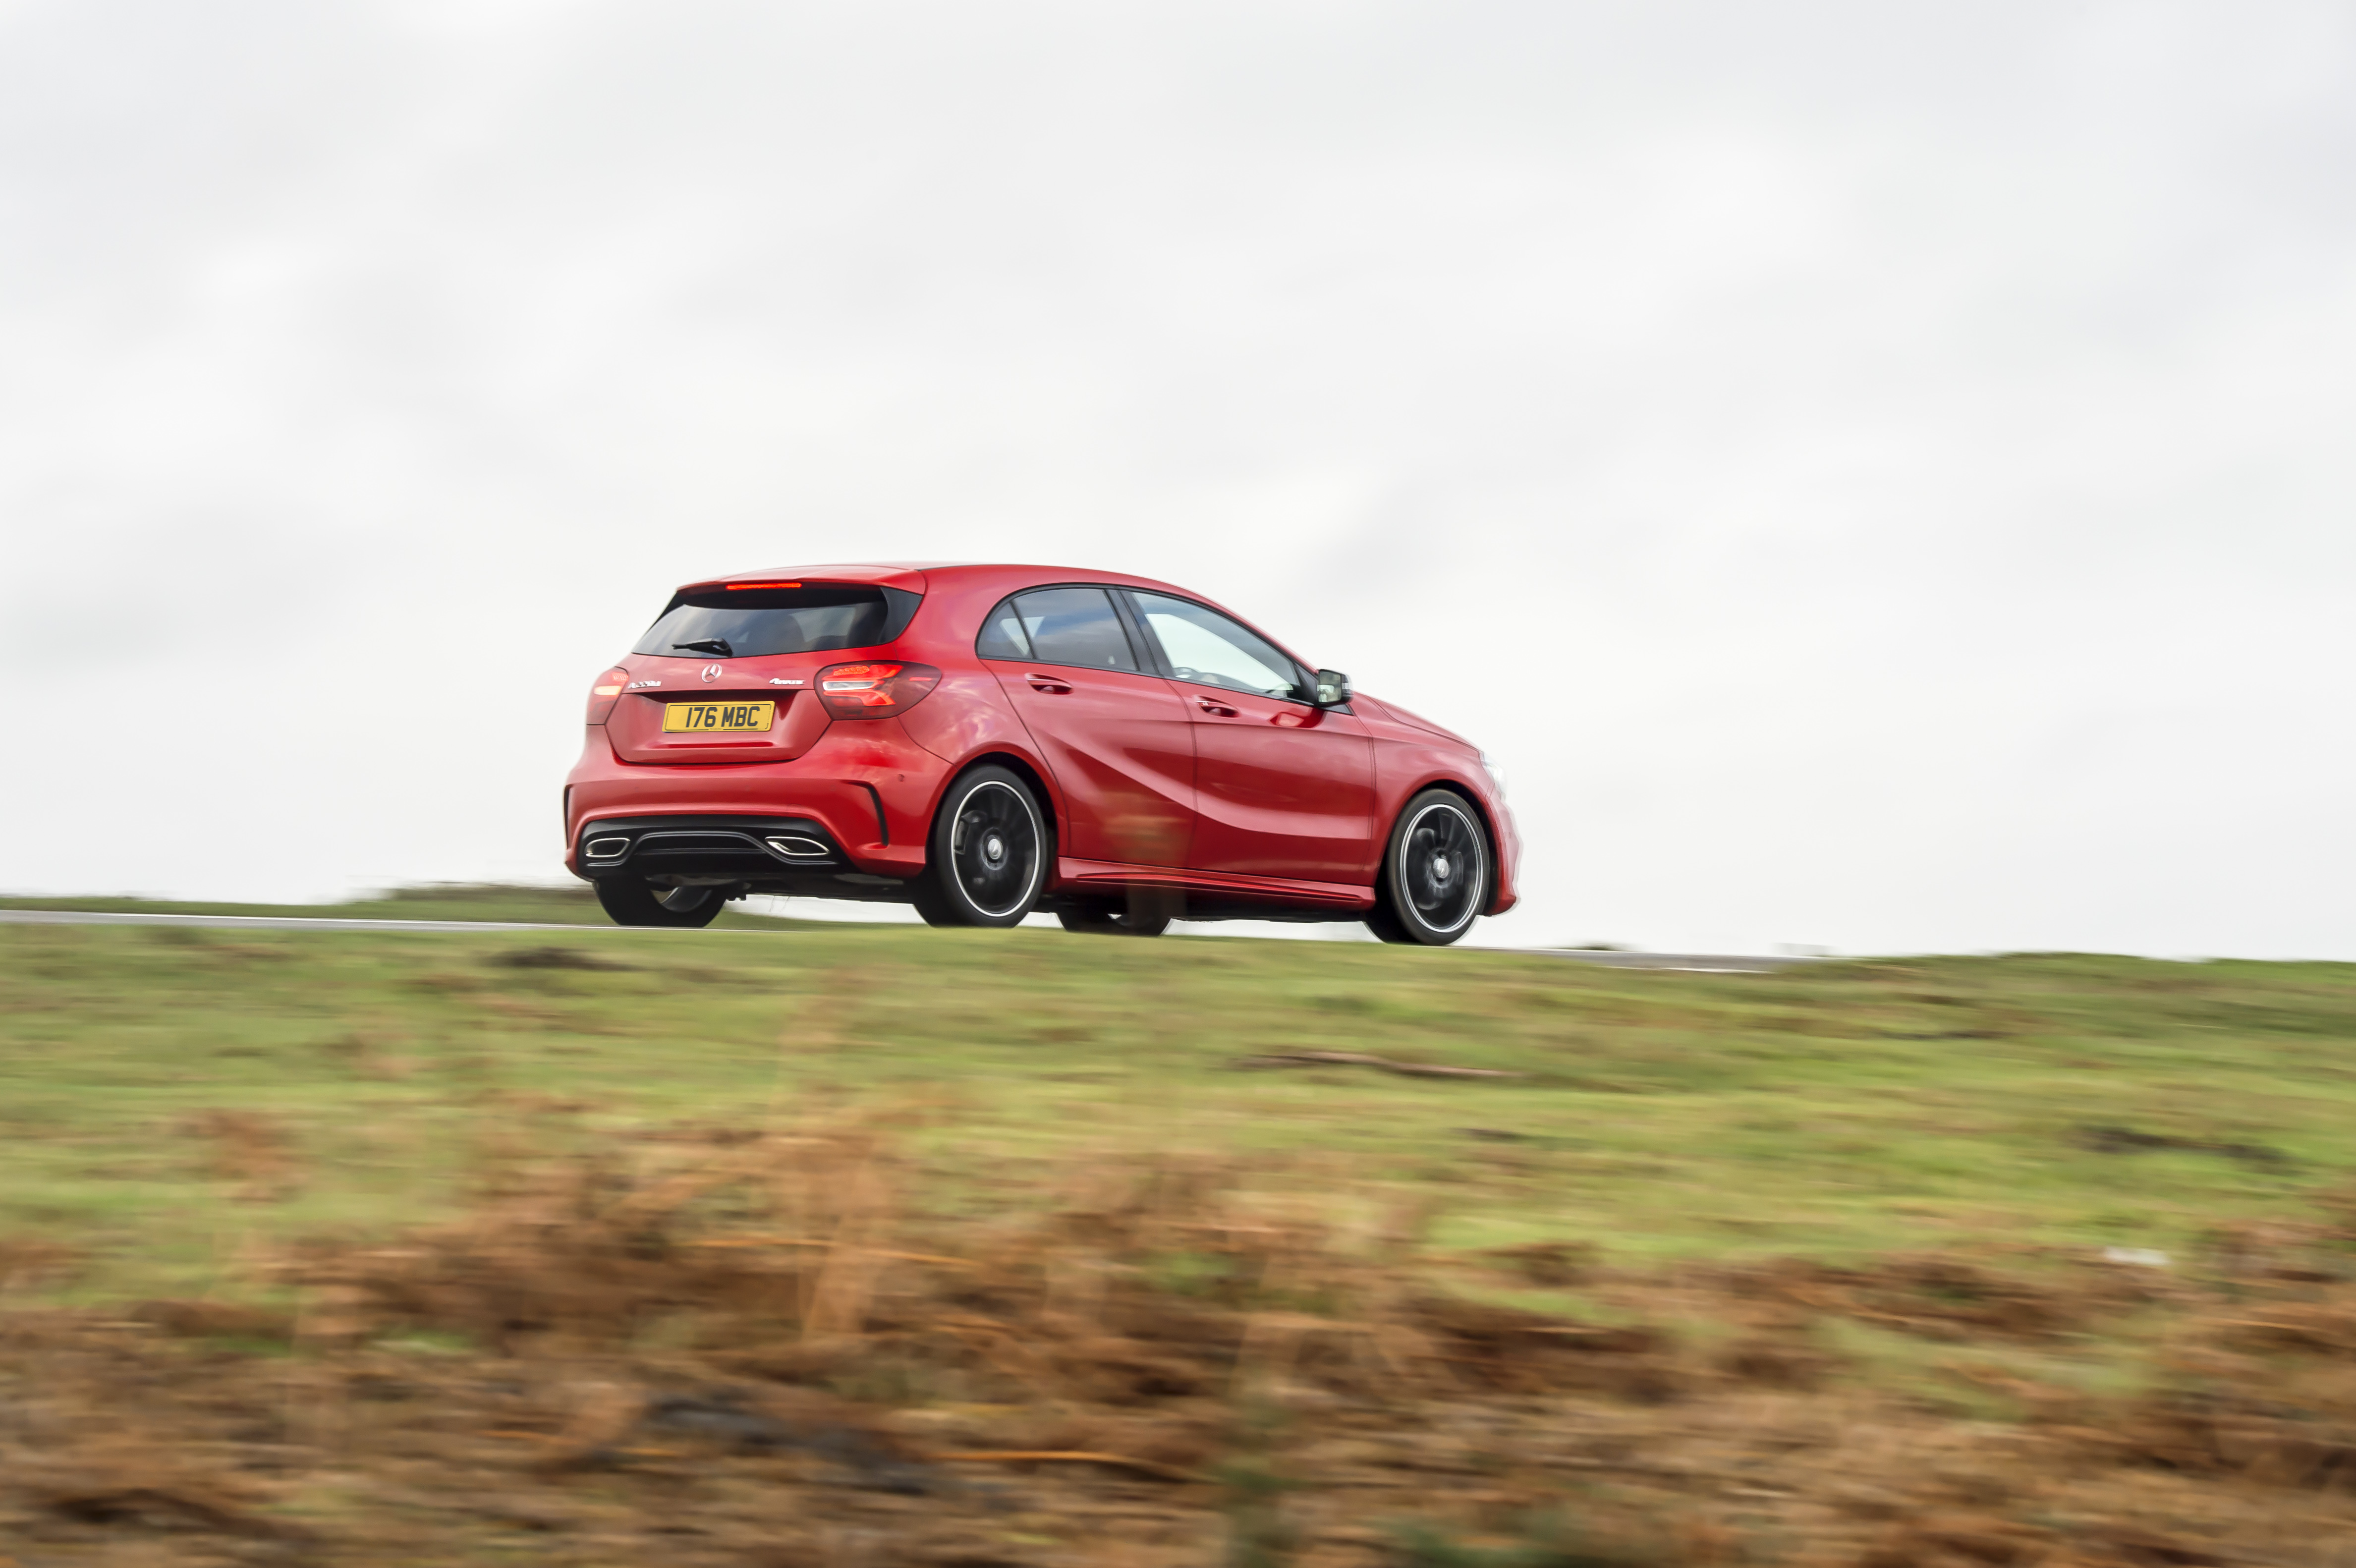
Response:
column 1047, row 683
column 1209, row 706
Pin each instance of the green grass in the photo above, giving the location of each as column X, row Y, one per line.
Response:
column 1835, row 1110
column 570, row 904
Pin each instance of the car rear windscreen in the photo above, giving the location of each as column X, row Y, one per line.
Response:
column 749, row 623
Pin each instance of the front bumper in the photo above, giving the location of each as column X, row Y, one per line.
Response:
column 1509, row 858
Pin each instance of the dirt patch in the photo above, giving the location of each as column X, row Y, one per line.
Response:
column 2112, row 1140
column 557, row 958
column 745, row 1347
column 1376, row 1064
column 1935, row 1295
column 29, row 1264
column 249, row 1150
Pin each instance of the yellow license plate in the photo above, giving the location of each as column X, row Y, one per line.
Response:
column 705, row 718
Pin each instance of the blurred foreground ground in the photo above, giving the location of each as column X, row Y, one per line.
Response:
column 569, row 903
column 886, row 1245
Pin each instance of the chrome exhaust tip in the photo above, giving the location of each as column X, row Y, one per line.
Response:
column 606, row 848
column 795, row 847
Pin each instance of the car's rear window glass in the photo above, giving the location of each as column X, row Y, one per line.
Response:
column 1074, row 625
column 749, row 623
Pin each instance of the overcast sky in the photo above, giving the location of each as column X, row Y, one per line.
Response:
column 1879, row 476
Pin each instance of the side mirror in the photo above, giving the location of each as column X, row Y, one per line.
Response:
column 1333, row 689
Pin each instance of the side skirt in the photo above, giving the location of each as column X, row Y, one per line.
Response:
column 1214, row 890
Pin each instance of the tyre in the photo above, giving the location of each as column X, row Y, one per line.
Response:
column 1436, row 872
column 1384, row 924
column 989, row 851
column 1147, row 913
column 633, row 902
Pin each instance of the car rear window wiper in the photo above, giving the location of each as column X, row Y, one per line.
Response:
column 710, row 645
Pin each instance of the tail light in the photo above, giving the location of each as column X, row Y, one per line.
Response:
column 606, row 693
column 876, row 690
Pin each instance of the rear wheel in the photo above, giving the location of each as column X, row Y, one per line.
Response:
column 1147, row 913
column 632, row 901
column 1435, row 875
column 990, row 848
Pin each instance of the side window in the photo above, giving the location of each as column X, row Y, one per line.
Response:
column 1001, row 635
column 1074, row 625
column 1207, row 648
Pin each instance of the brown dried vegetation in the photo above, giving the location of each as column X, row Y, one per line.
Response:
column 247, row 1150
column 737, row 1346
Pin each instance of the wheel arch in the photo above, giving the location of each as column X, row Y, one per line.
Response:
column 1481, row 814
column 1023, row 767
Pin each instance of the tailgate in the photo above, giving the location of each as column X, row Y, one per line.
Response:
column 657, row 685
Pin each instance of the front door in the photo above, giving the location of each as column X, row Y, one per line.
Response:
column 1115, row 735
column 1281, row 788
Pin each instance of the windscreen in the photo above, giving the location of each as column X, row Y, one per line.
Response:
column 749, row 623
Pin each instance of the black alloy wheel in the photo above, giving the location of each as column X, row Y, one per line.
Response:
column 1147, row 912
column 634, row 901
column 1435, row 875
column 990, row 848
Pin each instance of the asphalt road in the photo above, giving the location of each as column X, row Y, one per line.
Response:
column 1726, row 963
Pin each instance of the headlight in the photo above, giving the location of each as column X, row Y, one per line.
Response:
column 1496, row 773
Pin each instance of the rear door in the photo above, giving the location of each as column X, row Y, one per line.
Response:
column 1115, row 735
column 1281, row 788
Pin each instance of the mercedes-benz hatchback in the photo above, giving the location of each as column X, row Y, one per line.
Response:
column 984, row 742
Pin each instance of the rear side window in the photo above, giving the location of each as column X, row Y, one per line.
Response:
column 1058, row 625
column 1003, row 636
column 749, row 623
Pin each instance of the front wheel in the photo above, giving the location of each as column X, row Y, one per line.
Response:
column 990, row 848
column 633, row 902
column 1435, row 875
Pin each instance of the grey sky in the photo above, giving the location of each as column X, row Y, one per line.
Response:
column 1878, row 475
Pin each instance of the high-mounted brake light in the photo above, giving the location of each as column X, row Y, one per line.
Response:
column 734, row 588
column 606, row 693
column 874, row 690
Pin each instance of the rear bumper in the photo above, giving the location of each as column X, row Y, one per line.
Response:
column 865, row 789
column 793, row 855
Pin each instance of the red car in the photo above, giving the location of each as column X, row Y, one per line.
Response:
column 985, row 741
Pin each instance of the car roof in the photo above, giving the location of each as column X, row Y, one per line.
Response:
column 975, row 576
column 920, row 575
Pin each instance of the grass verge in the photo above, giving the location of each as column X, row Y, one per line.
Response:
column 569, row 903
column 1735, row 1265
column 1837, row 1110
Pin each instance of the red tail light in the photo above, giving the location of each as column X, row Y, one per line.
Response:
column 876, row 690
column 606, row 693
